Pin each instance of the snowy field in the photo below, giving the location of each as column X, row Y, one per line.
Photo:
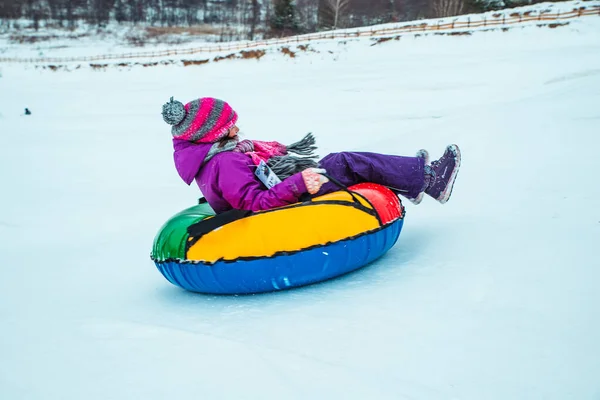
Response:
column 491, row 296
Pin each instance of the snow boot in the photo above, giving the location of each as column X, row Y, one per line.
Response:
column 443, row 174
column 424, row 154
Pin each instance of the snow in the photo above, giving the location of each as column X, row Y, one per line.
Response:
column 114, row 40
column 490, row 296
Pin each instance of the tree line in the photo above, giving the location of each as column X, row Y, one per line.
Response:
column 265, row 18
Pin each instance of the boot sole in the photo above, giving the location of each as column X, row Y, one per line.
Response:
column 417, row 200
column 445, row 195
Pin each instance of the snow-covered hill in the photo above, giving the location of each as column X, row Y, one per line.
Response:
column 491, row 296
column 124, row 45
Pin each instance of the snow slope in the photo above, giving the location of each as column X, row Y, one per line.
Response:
column 115, row 41
column 491, row 296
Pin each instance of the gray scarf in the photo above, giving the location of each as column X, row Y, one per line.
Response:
column 283, row 166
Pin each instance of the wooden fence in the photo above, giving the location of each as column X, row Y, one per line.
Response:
column 497, row 20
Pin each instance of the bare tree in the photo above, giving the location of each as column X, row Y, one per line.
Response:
column 204, row 10
column 10, row 8
column 72, row 11
column 99, row 12
column 392, row 11
column 308, row 11
column 254, row 18
column 447, row 8
column 335, row 8
column 32, row 10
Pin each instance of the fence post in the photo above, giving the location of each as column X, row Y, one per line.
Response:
column 503, row 19
column 468, row 22
column 579, row 12
column 484, row 21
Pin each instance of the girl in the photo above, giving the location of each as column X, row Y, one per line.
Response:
column 207, row 149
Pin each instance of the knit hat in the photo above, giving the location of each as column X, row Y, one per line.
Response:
column 204, row 120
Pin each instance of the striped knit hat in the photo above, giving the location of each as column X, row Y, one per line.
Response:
column 204, row 120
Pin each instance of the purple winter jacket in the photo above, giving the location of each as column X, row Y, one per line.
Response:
column 227, row 180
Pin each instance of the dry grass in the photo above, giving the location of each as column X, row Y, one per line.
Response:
column 382, row 40
column 136, row 40
column 459, row 33
column 98, row 66
column 287, row 51
column 198, row 30
column 22, row 39
column 556, row 25
column 227, row 57
column 55, row 68
column 175, row 35
column 306, row 48
column 253, row 54
column 194, row 62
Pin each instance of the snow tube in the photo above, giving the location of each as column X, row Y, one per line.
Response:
column 242, row 252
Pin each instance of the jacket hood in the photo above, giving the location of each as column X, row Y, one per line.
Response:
column 189, row 158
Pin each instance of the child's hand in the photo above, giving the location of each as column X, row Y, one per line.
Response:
column 313, row 179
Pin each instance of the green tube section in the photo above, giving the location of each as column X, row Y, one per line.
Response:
column 170, row 241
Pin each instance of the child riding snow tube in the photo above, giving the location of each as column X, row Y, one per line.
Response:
column 242, row 252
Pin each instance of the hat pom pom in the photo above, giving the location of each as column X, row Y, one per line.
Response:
column 173, row 112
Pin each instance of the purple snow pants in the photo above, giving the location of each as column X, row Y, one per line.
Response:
column 403, row 175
